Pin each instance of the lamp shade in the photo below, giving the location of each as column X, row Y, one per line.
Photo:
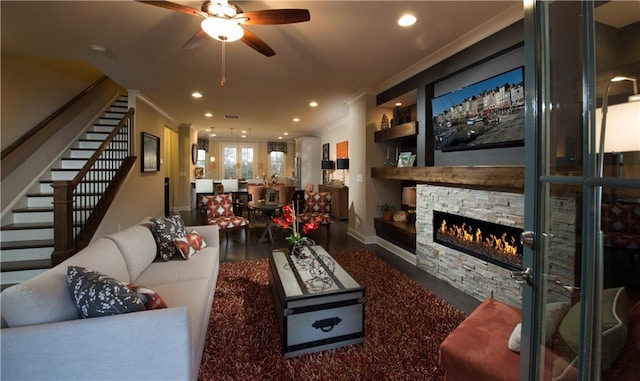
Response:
column 328, row 165
column 342, row 163
column 222, row 29
column 623, row 127
column 409, row 196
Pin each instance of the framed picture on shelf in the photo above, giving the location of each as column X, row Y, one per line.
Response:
column 404, row 158
column 150, row 153
column 271, row 197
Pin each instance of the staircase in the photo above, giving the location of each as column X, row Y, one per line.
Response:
column 26, row 238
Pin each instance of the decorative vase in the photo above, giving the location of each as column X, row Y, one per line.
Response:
column 296, row 248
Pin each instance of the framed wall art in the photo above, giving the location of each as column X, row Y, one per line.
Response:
column 325, row 151
column 485, row 114
column 271, row 197
column 150, row 153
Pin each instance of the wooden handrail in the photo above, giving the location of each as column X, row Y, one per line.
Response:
column 85, row 199
column 96, row 155
column 32, row 132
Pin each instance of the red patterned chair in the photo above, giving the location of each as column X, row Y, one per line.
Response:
column 317, row 205
column 224, row 211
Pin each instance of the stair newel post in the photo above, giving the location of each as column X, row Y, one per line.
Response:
column 63, row 240
column 131, row 147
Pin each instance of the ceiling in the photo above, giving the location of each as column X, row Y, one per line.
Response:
column 348, row 47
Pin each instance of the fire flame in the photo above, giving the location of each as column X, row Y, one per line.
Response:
column 504, row 244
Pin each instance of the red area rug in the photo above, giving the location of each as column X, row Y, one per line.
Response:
column 404, row 324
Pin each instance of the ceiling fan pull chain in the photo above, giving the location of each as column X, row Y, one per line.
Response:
column 224, row 77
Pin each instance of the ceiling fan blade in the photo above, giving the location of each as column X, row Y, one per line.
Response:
column 175, row 7
column 276, row 16
column 257, row 44
column 196, row 40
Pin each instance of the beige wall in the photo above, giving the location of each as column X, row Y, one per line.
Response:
column 22, row 76
column 333, row 135
column 34, row 87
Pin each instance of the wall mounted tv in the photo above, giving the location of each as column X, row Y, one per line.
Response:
column 486, row 114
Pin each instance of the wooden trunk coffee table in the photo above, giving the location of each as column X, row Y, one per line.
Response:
column 318, row 305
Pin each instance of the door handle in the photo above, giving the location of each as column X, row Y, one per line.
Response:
column 528, row 239
column 522, row 277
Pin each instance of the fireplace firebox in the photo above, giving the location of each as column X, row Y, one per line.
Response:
column 494, row 243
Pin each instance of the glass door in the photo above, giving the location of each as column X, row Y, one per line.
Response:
column 582, row 192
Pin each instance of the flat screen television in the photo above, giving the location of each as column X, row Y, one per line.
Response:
column 486, row 114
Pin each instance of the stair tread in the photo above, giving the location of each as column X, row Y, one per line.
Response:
column 39, row 209
column 93, row 149
column 51, row 194
column 30, row 244
column 35, row 264
column 92, row 181
column 77, row 169
column 27, row 225
column 30, row 225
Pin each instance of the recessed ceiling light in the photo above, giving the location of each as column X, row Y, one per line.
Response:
column 243, row 136
column 398, row 103
column 296, row 120
column 244, row 131
column 208, row 115
column 196, row 95
column 286, row 133
column 280, row 137
column 313, row 104
column 406, row 20
column 213, row 135
column 207, row 129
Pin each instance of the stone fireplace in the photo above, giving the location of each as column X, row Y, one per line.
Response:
column 473, row 274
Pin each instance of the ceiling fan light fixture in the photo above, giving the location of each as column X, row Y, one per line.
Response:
column 222, row 30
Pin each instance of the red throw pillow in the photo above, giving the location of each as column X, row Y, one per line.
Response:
column 190, row 244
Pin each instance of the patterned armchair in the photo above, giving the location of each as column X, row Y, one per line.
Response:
column 317, row 205
column 224, row 211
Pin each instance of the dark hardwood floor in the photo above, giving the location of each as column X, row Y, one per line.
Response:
column 235, row 250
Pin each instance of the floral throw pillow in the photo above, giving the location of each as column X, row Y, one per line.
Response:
column 97, row 294
column 190, row 244
column 165, row 230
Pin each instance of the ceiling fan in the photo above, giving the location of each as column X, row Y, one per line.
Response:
column 223, row 20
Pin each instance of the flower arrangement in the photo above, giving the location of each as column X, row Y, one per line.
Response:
column 288, row 220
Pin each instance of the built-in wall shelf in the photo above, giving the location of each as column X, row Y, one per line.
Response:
column 402, row 234
column 404, row 130
column 508, row 178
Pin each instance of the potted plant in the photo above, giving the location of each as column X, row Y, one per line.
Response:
column 387, row 210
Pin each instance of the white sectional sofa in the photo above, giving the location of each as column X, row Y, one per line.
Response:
column 44, row 337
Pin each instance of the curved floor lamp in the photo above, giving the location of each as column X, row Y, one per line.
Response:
column 622, row 117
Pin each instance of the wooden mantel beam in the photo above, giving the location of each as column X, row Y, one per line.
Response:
column 508, row 178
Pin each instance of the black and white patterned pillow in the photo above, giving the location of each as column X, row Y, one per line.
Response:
column 97, row 294
column 165, row 230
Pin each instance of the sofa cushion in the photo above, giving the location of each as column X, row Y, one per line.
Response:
column 97, row 294
column 165, row 230
column 137, row 246
column 190, row 244
column 200, row 266
column 45, row 298
column 554, row 313
column 614, row 329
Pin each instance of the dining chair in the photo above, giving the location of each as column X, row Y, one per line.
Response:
column 225, row 212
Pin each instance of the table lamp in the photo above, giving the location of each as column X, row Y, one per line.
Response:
column 343, row 164
column 327, row 166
